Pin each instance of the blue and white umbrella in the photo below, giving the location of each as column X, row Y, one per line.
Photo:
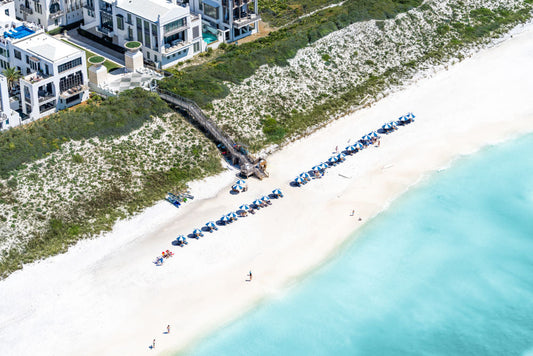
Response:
column 316, row 168
column 197, row 232
column 224, row 219
column 180, row 238
column 403, row 119
column 410, row 116
column 211, row 225
column 277, row 192
column 367, row 138
column 265, row 199
column 349, row 148
column 332, row 160
column 241, row 182
column 305, row 175
column 237, row 187
column 298, row 180
column 341, row 157
column 324, row 166
column 387, row 127
column 244, row 207
column 373, row 134
column 232, row 215
column 359, row 146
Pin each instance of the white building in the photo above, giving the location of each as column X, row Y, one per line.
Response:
column 169, row 33
column 7, row 7
column 54, row 73
column 49, row 13
column 229, row 19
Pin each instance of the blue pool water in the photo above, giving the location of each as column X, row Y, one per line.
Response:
column 208, row 37
column 447, row 270
column 19, row 32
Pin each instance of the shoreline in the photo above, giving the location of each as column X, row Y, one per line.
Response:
column 112, row 300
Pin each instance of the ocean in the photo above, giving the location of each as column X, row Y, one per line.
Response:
column 446, row 270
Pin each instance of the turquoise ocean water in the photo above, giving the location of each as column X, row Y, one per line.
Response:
column 447, row 270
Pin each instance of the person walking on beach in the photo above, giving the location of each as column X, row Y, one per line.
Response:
column 153, row 344
column 353, row 212
column 337, row 149
column 168, row 329
column 250, row 275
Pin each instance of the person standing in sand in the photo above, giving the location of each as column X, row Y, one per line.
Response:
column 250, row 276
column 168, row 329
column 153, row 344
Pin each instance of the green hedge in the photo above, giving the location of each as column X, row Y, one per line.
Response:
column 114, row 116
column 204, row 83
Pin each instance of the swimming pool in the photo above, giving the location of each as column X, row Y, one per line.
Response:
column 208, row 37
column 19, row 32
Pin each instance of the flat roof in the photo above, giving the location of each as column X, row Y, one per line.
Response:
column 150, row 9
column 47, row 47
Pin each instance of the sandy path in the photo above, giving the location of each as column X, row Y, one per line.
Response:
column 105, row 297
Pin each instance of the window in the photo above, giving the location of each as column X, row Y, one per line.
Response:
column 211, row 11
column 7, row 12
column 139, row 30
column 69, row 65
column 147, row 34
column 18, row 55
column 106, row 20
column 4, row 52
column 70, row 81
column 120, row 22
column 38, row 7
column 174, row 25
column 130, row 34
column 154, row 37
column 196, row 47
column 128, row 21
column 195, row 32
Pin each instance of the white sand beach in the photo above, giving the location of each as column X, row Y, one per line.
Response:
column 106, row 297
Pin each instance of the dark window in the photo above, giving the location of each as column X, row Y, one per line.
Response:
column 18, row 55
column 195, row 32
column 147, row 34
column 66, row 66
column 120, row 22
column 70, row 81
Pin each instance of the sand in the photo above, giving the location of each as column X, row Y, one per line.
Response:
column 106, row 297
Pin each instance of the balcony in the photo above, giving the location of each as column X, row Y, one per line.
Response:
column 105, row 31
column 25, row 9
column 73, row 91
column 88, row 6
column 243, row 21
column 175, row 46
column 176, row 30
column 46, row 96
column 56, row 14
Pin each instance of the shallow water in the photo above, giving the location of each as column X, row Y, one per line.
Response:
column 447, row 270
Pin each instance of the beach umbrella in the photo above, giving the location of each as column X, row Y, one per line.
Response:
column 237, row 187
column 241, row 182
column 332, row 160
column 265, row 199
column 367, row 138
column 232, row 215
column 359, row 146
column 323, row 166
column 316, row 168
column 180, row 238
column 277, row 192
column 257, row 202
column 305, row 175
column 410, row 116
column 197, row 232
column 341, row 157
column 244, row 207
column 211, row 225
column 298, row 180
column 402, row 119
column 387, row 127
column 374, row 134
column 224, row 219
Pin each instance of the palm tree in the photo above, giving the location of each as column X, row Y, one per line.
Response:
column 12, row 75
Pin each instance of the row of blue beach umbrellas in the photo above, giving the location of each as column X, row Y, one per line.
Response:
column 181, row 240
column 366, row 140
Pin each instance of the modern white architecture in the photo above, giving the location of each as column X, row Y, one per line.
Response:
column 7, row 7
column 54, row 74
column 167, row 30
column 230, row 20
column 49, row 13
